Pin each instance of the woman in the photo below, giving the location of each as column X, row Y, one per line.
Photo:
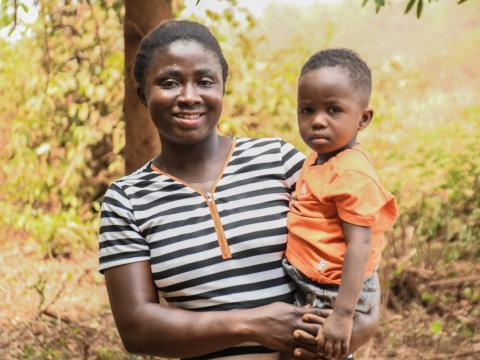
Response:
column 203, row 224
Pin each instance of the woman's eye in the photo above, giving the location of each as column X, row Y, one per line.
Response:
column 206, row 82
column 168, row 84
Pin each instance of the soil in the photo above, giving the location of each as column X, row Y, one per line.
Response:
column 54, row 308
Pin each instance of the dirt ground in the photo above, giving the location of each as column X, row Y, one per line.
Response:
column 58, row 309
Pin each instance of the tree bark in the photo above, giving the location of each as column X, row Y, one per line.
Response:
column 142, row 142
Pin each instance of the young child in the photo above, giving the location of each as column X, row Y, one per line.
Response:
column 340, row 209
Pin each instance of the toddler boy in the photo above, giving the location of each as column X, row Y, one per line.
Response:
column 340, row 210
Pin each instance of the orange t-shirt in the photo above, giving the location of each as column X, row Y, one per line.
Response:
column 347, row 188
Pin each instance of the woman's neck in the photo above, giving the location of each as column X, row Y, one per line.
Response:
column 187, row 161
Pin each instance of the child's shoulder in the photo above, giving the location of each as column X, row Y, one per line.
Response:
column 355, row 159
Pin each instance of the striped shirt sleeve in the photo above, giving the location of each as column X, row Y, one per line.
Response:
column 292, row 160
column 120, row 240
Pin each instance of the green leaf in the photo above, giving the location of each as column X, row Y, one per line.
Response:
column 419, row 8
column 436, row 327
column 410, row 5
column 364, row 2
column 24, row 7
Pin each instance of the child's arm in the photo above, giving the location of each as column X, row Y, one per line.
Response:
column 334, row 338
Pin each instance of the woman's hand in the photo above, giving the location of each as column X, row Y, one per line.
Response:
column 274, row 325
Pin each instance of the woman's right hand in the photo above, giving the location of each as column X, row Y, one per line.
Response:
column 273, row 326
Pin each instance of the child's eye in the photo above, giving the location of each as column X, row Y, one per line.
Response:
column 306, row 110
column 333, row 110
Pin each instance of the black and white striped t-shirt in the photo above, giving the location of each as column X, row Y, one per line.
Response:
column 218, row 250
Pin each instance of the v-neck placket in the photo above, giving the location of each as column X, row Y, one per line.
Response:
column 209, row 197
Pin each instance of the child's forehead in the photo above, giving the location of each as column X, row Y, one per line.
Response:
column 328, row 83
column 334, row 77
column 338, row 72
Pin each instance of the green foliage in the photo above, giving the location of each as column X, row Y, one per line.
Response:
column 436, row 327
column 379, row 4
column 63, row 90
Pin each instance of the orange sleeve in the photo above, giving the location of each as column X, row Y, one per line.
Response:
column 361, row 200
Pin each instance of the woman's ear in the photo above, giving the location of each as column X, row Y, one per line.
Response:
column 366, row 119
column 141, row 96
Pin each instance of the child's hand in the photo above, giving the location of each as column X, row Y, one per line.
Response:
column 333, row 339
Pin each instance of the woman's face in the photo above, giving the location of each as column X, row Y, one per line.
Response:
column 184, row 92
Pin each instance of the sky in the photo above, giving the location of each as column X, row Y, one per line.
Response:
column 255, row 6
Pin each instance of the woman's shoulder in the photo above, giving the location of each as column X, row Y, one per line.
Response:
column 249, row 142
column 138, row 179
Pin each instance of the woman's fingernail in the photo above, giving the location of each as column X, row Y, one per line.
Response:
column 296, row 334
column 297, row 352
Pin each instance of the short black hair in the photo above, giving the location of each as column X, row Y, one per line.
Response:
column 166, row 34
column 358, row 71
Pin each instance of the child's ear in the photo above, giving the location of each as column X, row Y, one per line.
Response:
column 141, row 96
column 366, row 119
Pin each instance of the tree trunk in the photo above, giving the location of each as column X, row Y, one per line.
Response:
column 142, row 142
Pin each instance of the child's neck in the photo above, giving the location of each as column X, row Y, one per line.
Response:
column 323, row 158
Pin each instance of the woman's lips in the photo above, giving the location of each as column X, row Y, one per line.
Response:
column 188, row 120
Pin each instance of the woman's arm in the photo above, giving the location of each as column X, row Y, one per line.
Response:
column 147, row 327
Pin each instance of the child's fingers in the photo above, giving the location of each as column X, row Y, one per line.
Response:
column 344, row 349
column 336, row 348
column 327, row 348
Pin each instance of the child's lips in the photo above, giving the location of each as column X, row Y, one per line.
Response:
column 318, row 138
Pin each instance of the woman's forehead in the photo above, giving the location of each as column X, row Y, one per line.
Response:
column 185, row 53
column 184, row 57
column 186, row 49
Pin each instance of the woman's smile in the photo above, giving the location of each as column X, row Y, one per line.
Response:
column 189, row 120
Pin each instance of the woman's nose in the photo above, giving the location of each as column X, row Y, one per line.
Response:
column 189, row 95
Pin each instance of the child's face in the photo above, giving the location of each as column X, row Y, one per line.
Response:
column 184, row 92
column 330, row 112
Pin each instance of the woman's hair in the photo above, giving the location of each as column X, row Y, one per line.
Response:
column 166, row 34
column 358, row 70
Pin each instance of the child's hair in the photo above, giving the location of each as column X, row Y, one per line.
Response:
column 166, row 34
column 358, row 71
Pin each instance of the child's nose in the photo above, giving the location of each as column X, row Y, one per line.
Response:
column 319, row 121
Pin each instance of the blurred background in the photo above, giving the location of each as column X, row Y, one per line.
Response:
column 62, row 142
